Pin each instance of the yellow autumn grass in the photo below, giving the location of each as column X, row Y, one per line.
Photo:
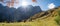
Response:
column 38, row 22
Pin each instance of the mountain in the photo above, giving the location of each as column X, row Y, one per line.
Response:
column 35, row 17
column 21, row 13
column 6, row 13
column 44, row 18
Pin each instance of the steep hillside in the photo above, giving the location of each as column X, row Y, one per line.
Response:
column 45, row 14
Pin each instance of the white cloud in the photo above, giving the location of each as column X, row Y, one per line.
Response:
column 51, row 6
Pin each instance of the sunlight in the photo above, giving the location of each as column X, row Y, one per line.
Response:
column 24, row 3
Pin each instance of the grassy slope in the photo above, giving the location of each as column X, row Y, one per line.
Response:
column 43, row 22
column 49, row 21
column 37, row 22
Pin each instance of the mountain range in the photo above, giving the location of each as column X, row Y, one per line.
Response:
column 21, row 13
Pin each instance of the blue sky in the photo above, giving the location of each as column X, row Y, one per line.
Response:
column 42, row 3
